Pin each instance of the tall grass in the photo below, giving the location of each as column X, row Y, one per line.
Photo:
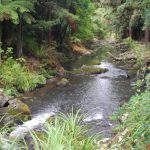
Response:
column 65, row 133
column 61, row 133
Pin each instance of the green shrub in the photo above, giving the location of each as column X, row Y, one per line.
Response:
column 136, row 123
column 13, row 74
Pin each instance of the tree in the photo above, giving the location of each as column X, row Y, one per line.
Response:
column 17, row 11
column 131, row 16
column 53, row 20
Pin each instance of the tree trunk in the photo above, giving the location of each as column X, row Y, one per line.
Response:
column 49, row 17
column 62, row 36
column 20, row 40
column 130, row 30
column 49, row 37
column 146, row 35
column 0, row 42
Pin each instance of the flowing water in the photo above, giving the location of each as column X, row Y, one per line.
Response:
column 96, row 96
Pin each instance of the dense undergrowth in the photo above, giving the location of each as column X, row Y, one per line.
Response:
column 25, row 74
column 16, row 77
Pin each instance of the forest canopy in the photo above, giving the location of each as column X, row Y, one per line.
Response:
column 38, row 22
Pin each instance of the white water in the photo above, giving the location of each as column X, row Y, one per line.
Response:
column 94, row 117
column 28, row 126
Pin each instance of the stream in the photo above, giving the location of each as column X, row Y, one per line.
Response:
column 97, row 97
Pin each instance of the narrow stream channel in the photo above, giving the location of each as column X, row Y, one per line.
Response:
column 96, row 96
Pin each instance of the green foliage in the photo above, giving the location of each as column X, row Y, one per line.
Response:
column 130, row 14
column 85, row 11
column 11, row 91
column 32, row 47
column 137, row 122
column 11, row 9
column 46, row 25
column 65, row 132
column 14, row 75
column 135, row 118
column 102, row 22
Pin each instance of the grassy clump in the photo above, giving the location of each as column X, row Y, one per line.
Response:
column 61, row 133
column 64, row 133
column 134, row 131
column 14, row 76
column 88, row 70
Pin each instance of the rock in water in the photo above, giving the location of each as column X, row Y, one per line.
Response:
column 63, row 82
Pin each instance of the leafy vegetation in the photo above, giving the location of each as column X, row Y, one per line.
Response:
column 13, row 74
column 130, row 18
column 134, row 133
column 64, row 133
column 54, row 21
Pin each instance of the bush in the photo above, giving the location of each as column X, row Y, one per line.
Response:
column 135, row 126
column 13, row 74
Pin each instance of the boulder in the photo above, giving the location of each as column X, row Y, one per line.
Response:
column 63, row 82
column 19, row 109
column 10, row 120
column 3, row 100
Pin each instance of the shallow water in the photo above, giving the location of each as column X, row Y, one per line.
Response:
column 96, row 96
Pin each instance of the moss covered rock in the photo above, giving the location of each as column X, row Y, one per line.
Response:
column 19, row 109
column 88, row 70
column 63, row 82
